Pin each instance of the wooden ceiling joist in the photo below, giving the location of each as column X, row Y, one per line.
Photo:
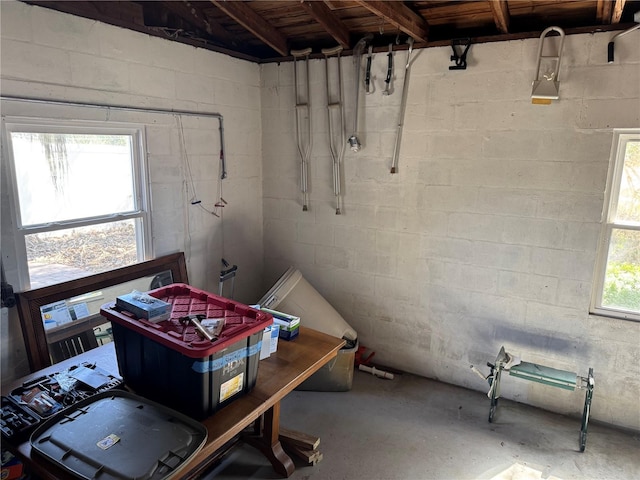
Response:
column 266, row 30
column 603, row 11
column 617, row 11
column 401, row 16
column 332, row 24
column 254, row 23
column 500, row 11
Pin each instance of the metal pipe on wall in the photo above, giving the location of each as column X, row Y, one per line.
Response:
column 191, row 113
column 403, row 106
column 611, row 45
column 354, row 141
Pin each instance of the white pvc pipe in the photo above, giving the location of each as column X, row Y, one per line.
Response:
column 478, row 372
column 374, row 371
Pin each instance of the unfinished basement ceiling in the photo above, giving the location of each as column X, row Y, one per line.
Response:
column 267, row 31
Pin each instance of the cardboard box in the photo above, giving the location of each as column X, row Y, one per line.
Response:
column 144, row 306
column 287, row 331
column 269, row 341
column 289, row 324
column 273, row 344
column 265, row 349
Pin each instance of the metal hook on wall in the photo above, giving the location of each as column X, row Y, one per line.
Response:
column 460, row 59
column 547, row 88
column 611, row 45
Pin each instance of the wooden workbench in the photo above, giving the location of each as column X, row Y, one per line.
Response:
column 278, row 375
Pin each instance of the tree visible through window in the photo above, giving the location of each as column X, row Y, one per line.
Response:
column 618, row 282
column 80, row 199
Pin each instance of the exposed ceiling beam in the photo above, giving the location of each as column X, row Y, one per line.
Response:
column 401, row 16
column 123, row 14
column 500, row 11
column 191, row 14
column 603, row 11
column 220, row 32
column 130, row 15
column 617, row 11
column 254, row 23
column 332, row 24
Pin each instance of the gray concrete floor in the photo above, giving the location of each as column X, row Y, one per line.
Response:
column 415, row 428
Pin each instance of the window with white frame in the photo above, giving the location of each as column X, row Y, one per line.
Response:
column 617, row 283
column 79, row 196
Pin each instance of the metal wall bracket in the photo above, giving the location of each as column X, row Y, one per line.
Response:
column 227, row 273
column 546, row 87
column 460, row 58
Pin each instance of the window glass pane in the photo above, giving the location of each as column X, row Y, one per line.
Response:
column 629, row 199
column 622, row 278
column 55, row 257
column 72, row 176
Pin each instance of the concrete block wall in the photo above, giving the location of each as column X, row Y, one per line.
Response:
column 55, row 56
column 486, row 236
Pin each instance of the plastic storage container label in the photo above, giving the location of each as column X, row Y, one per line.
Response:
column 229, row 388
column 108, row 441
column 205, row 366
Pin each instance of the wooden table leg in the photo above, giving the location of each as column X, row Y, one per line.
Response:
column 269, row 443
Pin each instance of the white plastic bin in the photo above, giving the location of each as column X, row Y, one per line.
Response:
column 294, row 295
column 335, row 376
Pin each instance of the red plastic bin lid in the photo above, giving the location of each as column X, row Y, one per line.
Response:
column 240, row 320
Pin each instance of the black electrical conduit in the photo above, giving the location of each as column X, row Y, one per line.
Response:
column 191, row 113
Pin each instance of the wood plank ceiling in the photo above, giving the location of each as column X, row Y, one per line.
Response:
column 267, row 31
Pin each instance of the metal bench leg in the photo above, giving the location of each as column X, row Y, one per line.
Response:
column 585, row 413
column 494, row 382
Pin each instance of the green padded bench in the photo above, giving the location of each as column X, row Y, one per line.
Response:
column 541, row 374
column 546, row 375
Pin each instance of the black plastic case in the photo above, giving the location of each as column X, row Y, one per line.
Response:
column 118, row 435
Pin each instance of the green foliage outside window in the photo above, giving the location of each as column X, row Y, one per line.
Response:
column 622, row 286
column 622, row 278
